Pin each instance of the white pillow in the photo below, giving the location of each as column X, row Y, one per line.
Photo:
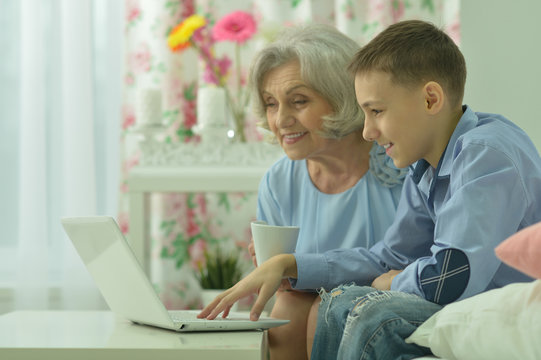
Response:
column 498, row 324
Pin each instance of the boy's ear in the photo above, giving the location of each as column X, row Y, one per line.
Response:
column 434, row 97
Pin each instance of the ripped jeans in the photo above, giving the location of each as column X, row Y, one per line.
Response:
column 360, row 322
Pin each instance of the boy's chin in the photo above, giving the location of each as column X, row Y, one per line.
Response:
column 400, row 163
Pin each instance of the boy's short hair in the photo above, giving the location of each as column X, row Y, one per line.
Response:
column 414, row 52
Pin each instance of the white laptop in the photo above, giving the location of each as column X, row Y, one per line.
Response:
column 127, row 290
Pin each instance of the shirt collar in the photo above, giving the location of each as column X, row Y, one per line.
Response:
column 467, row 122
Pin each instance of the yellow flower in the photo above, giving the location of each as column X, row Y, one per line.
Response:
column 180, row 36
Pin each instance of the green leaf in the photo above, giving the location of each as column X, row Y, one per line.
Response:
column 189, row 92
column 183, row 133
column 194, row 238
column 221, row 272
column 161, row 67
column 173, row 6
column 180, row 261
column 167, row 227
column 429, row 4
column 164, row 254
column 295, row 3
column 223, row 200
column 369, row 27
column 190, row 201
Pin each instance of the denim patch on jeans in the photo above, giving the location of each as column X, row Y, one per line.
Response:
column 360, row 322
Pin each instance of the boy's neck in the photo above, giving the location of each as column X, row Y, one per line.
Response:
column 451, row 120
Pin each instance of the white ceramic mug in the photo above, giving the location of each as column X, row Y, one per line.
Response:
column 271, row 240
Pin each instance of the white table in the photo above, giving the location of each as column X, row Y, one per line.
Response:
column 204, row 167
column 143, row 181
column 82, row 335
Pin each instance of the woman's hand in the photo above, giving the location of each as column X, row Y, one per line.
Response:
column 251, row 250
column 264, row 280
column 285, row 285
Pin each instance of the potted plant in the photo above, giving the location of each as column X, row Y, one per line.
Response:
column 220, row 272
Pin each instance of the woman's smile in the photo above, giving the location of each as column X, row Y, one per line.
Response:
column 292, row 138
column 295, row 112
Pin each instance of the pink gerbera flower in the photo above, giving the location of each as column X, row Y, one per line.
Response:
column 237, row 26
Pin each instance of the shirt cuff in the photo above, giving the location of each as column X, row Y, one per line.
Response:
column 312, row 271
column 407, row 281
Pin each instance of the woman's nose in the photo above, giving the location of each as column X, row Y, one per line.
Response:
column 284, row 117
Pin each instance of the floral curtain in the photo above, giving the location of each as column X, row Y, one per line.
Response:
column 185, row 225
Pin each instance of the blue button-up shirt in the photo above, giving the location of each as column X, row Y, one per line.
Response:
column 486, row 187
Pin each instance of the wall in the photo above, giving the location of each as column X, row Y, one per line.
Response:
column 501, row 41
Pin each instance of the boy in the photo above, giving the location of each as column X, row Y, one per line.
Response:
column 475, row 179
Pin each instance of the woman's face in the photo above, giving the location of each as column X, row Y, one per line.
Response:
column 294, row 112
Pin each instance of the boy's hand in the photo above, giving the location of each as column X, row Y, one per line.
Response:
column 264, row 280
column 383, row 282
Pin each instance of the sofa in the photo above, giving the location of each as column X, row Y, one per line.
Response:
column 503, row 323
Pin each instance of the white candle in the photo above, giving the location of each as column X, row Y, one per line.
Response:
column 211, row 107
column 149, row 106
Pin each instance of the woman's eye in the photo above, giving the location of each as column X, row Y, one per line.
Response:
column 376, row 112
column 299, row 102
column 269, row 105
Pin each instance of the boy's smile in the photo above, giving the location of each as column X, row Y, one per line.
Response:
column 387, row 147
column 399, row 118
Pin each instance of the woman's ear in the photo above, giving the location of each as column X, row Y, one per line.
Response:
column 434, row 97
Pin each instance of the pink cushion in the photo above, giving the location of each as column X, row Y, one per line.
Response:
column 522, row 250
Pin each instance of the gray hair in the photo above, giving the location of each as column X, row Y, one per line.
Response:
column 323, row 53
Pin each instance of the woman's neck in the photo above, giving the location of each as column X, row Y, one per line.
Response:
column 341, row 167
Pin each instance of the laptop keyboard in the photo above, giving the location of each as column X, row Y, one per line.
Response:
column 184, row 315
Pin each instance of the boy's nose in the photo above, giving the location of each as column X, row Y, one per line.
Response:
column 370, row 133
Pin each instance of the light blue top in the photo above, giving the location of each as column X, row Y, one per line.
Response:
column 358, row 216
column 487, row 186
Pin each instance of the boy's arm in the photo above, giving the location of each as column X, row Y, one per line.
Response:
column 362, row 266
column 335, row 267
column 485, row 202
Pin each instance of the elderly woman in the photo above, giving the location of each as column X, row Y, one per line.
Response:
column 338, row 188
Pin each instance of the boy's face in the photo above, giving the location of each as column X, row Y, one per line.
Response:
column 395, row 117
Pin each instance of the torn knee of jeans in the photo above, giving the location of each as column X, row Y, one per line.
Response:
column 370, row 298
column 327, row 297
